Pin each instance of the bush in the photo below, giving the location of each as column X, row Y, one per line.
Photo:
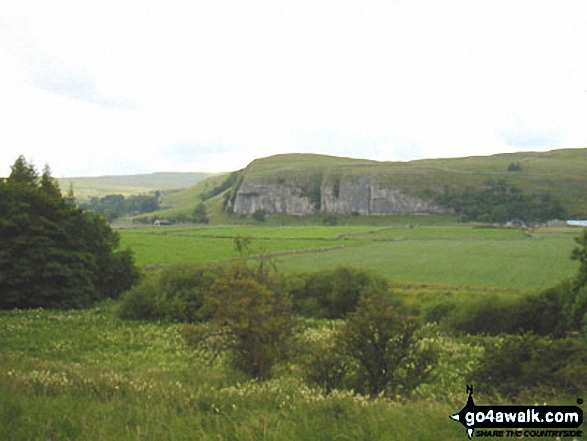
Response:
column 144, row 302
column 334, row 293
column 483, row 314
column 259, row 322
column 177, row 293
column 436, row 312
column 516, row 363
column 259, row 215
column 549, row 312
column 390, row 355
column 542, row 313
column 375, row 351
column 330, row 219
column 200, row 215
column 324, row 363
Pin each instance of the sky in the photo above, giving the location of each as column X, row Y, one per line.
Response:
column 120, row 87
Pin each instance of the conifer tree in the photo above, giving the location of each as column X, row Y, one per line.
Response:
column 53, row 254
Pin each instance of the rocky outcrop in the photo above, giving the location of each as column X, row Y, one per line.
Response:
column 362, row 195
column 273, row 199
column 346, row 195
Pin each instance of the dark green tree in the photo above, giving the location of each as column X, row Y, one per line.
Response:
column 113, row 206
column 499, row 214
column 575, row 305
column 53, row 254
column 200, row 215
column 259, row 215
column 580, row 253
column 389, row 354
column 258, row 321
column 334, row 293
column 514, row 364
column 497, row 199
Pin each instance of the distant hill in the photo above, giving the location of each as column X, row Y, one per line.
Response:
column 297, row 184
column 303, row 184
column 85, row 187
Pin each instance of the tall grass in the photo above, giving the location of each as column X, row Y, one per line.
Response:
column 86, row 375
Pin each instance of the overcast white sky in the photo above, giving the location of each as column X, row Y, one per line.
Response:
column 116, row 87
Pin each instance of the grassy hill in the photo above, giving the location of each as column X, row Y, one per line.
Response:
column 561, row 173
column 85, row 187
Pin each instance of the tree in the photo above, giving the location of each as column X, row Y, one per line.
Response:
column 259, row 215
column 258, row 321
column 113, row 206
column 386, row 348
column 330, row 219
column 53, row 254
column 334, row 293
column 498, row 198
column 575, row 303
column 250, row 321
column 513, row 364
column 499, row 214
column 200, row 215
column 580, row 253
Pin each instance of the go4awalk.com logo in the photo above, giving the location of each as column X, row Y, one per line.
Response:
column 518, row 421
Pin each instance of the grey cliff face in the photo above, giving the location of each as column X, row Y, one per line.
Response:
column 358, row 194
column 274, row 199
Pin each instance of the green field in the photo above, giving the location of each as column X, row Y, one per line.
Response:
column 87, row 375
column 450, row 255
column 90, row 375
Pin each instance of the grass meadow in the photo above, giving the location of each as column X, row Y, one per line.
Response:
column 448, row 255
column 89, row 375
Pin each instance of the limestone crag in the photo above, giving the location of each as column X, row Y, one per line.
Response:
column 273, row 199
column 356, row 194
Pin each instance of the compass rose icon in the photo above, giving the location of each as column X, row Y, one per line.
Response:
column 460, row 416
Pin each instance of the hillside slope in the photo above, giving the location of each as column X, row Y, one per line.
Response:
column 126, row 185
column 303, row 183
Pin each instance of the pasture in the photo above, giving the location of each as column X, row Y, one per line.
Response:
column 87, row 375
column 448, row 255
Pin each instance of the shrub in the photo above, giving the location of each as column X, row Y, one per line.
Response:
column 144, row 302
column 515, row 363
column 491, row 315
column 259, row 215
column 437, row 311
column 330, row 219
column 177, row 293
column 323, row 361
column 386, row 348
column 200, row 214
column 259, row 322
column 553, row 311
column 542, row 313
column 334, row 293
